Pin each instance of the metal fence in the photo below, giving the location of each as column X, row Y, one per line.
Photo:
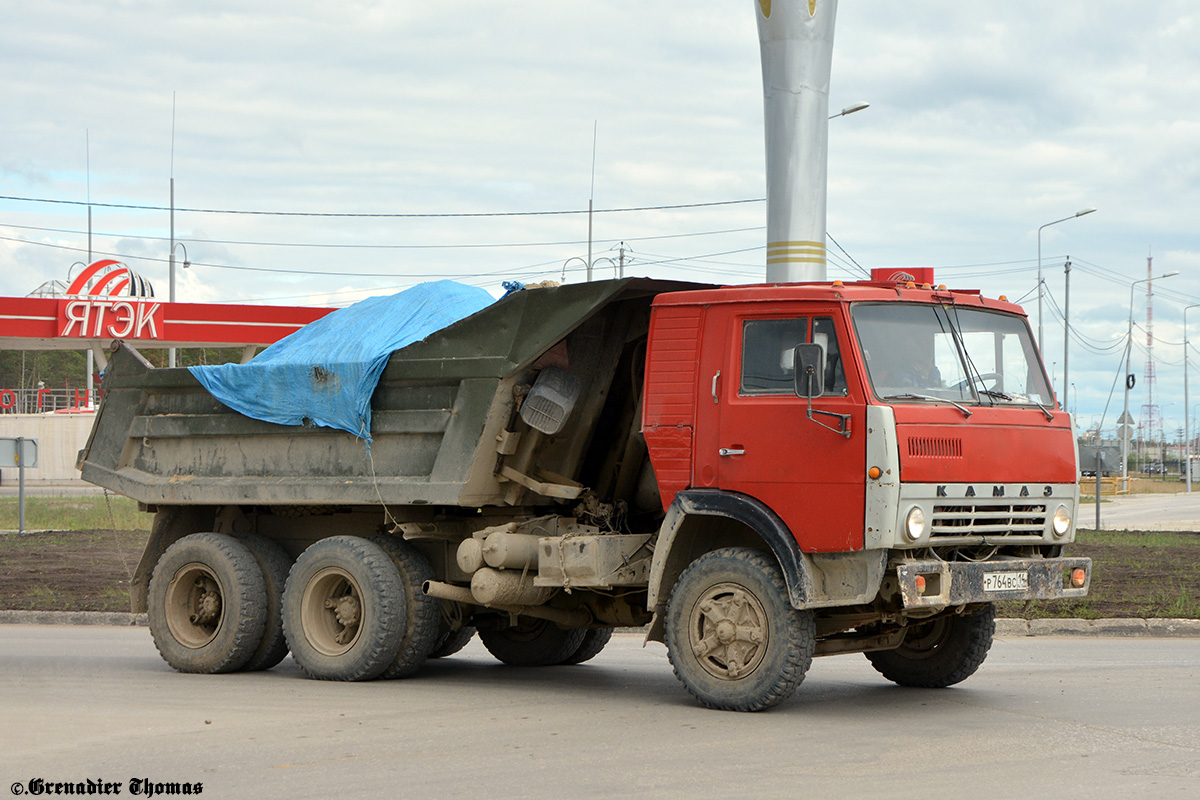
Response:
column 41, row 401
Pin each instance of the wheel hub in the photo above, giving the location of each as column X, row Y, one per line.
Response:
column 193, row 605
column 207, row 602
column 331, row 611
column 728, row 631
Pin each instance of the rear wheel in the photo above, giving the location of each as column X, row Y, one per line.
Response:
column 453, row 641
column 274, row 562
column 344, row 610
column 422, row 614
column 593, row 642
column 941, row 652
column 732, row 636
column 207, row 607
column 532, row 643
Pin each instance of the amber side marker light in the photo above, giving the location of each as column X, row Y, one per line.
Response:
column 919, row 582
column 1078, row 577
column 874, row 473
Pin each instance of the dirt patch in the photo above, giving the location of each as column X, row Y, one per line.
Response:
column 1135, row 574
column 69, row 570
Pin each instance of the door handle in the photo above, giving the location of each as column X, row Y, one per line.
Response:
column 730, row 451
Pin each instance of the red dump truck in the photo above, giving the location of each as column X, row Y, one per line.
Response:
column 757, row 474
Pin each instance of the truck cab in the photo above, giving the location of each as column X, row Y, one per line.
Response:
column 897, row 447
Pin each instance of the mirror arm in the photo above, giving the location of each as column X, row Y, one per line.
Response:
column 843, row 419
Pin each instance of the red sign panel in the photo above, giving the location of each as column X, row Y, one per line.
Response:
column 39, row 323
column 918, row 275
column 110, row 319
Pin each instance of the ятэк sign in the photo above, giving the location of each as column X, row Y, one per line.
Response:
column 109, row 319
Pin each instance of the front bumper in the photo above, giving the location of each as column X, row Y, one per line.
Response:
column 952, row 583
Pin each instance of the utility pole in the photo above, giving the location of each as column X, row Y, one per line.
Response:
column 1066, row 329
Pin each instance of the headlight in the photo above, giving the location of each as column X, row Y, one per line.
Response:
column 1062, row 521
column 914, row 523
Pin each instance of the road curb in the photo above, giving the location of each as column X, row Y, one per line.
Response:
column 1160, row 628
column 114, row 618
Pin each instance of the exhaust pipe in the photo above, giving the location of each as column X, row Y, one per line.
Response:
column 796, row 42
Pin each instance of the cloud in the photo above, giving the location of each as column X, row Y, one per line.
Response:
column 986, row 122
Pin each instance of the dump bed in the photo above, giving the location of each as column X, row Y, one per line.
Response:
column 442, row 415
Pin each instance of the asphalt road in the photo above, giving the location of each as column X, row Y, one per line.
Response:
column 1045, row 717
column 1145, row 512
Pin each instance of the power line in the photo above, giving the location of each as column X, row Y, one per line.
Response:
column 387, row 215
column 377, row 246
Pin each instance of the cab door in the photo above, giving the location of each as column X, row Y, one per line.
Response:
column 762, row 443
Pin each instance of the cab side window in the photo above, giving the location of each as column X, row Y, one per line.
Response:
column 768, row 357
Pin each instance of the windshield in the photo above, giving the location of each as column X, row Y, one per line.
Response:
column 962, row 355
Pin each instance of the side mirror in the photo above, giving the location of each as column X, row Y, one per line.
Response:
column 810, row 370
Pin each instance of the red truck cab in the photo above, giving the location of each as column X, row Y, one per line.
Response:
column 933, row 435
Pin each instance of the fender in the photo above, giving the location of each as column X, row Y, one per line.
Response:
column 797, row 567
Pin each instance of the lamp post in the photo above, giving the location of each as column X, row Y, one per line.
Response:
column 1187, row 445
column 1128, row 354
column 186, row 263
column 1079, row 213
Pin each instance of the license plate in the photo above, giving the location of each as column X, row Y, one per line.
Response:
column 1005, row 581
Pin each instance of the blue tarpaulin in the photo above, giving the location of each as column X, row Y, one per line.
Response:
column 325, row 373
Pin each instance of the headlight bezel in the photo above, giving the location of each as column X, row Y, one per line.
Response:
column 1060, row 523
column 914, row 524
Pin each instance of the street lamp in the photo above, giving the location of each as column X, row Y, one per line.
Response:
column 1187, row 445
column 1047, row 225
column 1128, row 353
column 589, row 265
column 850, row 109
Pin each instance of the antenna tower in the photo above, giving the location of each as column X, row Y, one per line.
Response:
column 1151, row 430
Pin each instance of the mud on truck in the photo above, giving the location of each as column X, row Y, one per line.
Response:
column 759, row 475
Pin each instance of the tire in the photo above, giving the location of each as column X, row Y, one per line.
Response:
column 453, row 641
column 274, row 562
column 593, row 642
column 939, row 653
column 733, row 638
column 423, row 613
column 532, row 643
column 344, row 610
column 207, row 606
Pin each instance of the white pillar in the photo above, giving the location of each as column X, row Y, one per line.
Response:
column 796, row 39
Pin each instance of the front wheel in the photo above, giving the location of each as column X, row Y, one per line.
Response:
column 941, row 652
column 733, row 638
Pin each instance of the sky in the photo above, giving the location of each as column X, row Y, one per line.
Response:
column 324, row 152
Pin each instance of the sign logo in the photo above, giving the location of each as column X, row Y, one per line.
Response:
column 115, row 306
column 109, row 278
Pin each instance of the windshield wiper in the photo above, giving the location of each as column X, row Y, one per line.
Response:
column 910, row 396
column 995, row 394
column 1043, row 409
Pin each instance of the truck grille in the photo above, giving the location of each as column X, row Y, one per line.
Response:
column 988, row 519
